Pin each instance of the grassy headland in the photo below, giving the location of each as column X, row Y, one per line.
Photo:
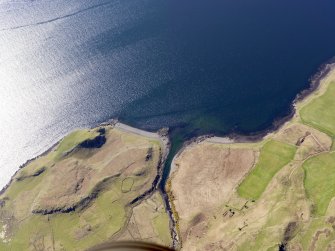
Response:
column 93, row 186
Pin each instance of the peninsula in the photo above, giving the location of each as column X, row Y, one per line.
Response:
column 94, row 185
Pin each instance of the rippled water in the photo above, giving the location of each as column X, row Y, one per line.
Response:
column 200, row 66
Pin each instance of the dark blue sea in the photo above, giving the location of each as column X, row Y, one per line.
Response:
column 198, row 67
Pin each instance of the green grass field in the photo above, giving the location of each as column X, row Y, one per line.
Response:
column 274, row 155
column 73, row 139
column 320, row 181
column 320, row 112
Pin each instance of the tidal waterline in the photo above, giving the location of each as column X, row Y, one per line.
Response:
column 196, row 66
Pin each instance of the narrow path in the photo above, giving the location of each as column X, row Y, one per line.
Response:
column 318, row 142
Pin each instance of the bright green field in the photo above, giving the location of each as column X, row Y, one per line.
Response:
column 320, row 112
column 274, row 155
column 320, row 181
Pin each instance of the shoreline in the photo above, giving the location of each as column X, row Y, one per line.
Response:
column 316, row 82
column 164, row 140
column 254, row 137
column 233, row 138
column 162, row 135
column 236, row 137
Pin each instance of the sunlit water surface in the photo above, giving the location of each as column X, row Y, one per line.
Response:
column 199, row 66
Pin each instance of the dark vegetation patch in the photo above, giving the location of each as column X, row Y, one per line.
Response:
column 102, row 131
column 147, row 193
column 302, row 139
column 37, row 173
column 2, row 203
column 331, row 219
column 154, row 185
column 282, row 247
column 79, row 185
column 97, row 142
column 290, row 231
column 149, row 154
column 142, row 173
column 198, row 219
